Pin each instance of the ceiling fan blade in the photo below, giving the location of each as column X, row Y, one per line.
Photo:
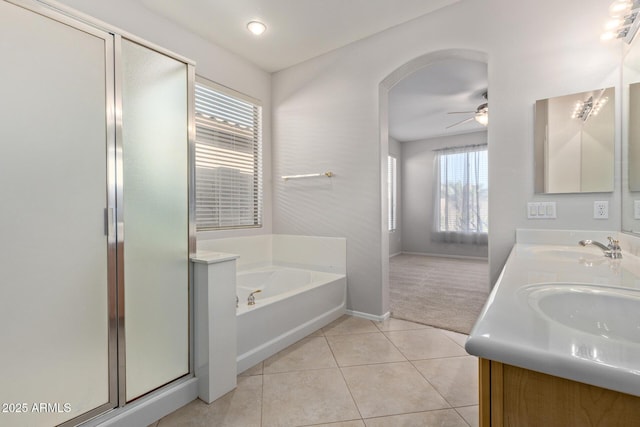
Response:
column 460, row 122
column 460, row 112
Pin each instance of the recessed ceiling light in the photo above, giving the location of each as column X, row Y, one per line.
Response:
column 256, row 27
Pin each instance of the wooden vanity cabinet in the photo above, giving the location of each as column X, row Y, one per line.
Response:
column 512, row 396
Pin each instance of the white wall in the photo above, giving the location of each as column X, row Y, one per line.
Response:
column 212, row 62
column 326, row 116
column 418, row 208
column 395, row 237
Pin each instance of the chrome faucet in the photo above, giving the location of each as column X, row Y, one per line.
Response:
column 613, row 250
column 251, row 299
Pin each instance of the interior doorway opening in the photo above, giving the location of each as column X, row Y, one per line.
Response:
column 433, row 114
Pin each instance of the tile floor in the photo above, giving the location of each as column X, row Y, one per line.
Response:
column 352, row 373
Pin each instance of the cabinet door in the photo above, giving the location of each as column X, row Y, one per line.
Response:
column 54, row 339
column 155, row 213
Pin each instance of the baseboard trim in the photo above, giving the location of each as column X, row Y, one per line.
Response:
column 147, row 410
column 368, row 316
column 475, row 258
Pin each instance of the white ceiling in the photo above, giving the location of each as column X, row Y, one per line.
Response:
column 420, row 103
column 297, row 30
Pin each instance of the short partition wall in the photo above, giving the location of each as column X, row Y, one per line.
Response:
column 215, row 333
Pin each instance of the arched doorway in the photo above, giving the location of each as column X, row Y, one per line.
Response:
column 456, row 89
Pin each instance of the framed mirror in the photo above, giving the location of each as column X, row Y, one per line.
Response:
column 633, row 150
column 574, row 142
column 631, row 139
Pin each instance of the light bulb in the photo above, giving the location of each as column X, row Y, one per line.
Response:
column 256, row 27
column 482, row 118
column 619, row 8
column 609, row 35
column 613, row 24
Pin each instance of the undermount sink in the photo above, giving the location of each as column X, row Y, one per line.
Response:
column 608, row 312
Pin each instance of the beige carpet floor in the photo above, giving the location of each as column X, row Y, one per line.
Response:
column 447, row 293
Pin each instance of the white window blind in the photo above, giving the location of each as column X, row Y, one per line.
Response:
column 392, row 192
column 228, row 159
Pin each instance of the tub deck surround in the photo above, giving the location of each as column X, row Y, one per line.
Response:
column 306, row 252
column 512, row 331
column 292, row 304
column 302, row 282
column 210, row 257
column 275, row 283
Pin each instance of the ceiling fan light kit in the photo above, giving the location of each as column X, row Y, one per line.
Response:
column 480, row 115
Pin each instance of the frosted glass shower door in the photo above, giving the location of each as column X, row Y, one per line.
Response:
column 156, row 222
column 54, row 294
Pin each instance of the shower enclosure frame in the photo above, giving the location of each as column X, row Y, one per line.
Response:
column 119, row 184
column 113, row 214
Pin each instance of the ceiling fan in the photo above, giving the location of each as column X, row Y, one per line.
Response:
column 480, row 115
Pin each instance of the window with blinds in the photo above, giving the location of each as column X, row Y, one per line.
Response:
column 228, row 159
column 392, row 192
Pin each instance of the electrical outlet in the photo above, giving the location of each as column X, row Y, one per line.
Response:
column 636, row 209
column 601, row 210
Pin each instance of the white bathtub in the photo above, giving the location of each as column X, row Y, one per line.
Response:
column 291, row 304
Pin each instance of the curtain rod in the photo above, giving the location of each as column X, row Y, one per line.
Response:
column 461, row 147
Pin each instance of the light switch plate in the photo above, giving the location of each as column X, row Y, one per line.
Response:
column 541, row 210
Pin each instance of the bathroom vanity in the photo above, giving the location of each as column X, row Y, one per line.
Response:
column 513, row 396
column 559, row 337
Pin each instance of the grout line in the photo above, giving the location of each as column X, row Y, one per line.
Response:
column 463, row 418
column 454, row 341
column 353, row 399
column 351, row 394
column 333, row 422
column 262, row 397
column 417, row 412
column 396, row 347
column 433, row 386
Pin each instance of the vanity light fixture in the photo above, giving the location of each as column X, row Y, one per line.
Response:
column 624, row 22
column 598, row 105
column 590, row 107
column 256, row 27
column 583, row 109
column 620, row 8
